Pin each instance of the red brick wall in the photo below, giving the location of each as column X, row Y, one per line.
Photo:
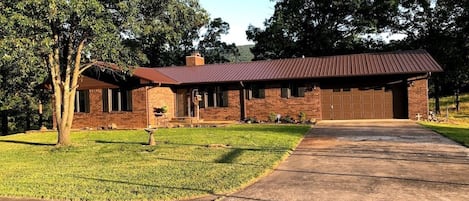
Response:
column 260, row 108
column 232, row 112
column 418, row 98
column 310, row 104
column 137, row 118
column 157, row 98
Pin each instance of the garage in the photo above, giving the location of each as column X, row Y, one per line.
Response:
column 377, row 102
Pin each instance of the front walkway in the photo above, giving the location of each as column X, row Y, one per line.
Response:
column 367, row 160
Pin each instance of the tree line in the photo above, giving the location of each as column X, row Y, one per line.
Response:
column 331, row 27
column 57, row 40
column 54, row 41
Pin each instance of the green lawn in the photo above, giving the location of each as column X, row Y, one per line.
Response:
column 456, row 132
column 114, row 165
column 448, row 108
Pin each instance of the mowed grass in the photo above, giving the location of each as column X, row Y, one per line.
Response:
column 457, row 132
column 114, row 165
column 454, row 124
column 448, row 108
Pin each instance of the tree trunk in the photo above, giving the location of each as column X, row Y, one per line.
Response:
column 64, row 137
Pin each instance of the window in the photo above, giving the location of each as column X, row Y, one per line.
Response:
column 117, row 100
column 293, row 89
column 82, row 101
column 256, row 91
column 222, row 97
column 214, row 97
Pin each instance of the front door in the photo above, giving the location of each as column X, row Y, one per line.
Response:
column 182, row 103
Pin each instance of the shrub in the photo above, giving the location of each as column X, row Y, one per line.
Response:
column 251, row 120
column 272, row 116
column 302, row 117
column 287, row 119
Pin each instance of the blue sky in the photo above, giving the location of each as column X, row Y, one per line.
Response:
column 239, row 14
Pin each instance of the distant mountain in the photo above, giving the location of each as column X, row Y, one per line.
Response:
column 244, row 54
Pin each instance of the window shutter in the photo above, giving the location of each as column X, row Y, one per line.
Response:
column 301, row 91
column 249, row 93
column 225, row 98
column 284, row 92
column 262, row 92
column 86, row 94
column 129, row 100
column 105, row 100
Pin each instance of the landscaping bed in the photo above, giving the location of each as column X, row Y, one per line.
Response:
column 116, row 165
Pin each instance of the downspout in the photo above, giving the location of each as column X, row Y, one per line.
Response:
column 242, row 100
column 146, row 106
column 429, row 74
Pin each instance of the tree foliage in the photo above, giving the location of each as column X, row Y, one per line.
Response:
column 18, row 85
column 319, row 27
column 441, row 29
column 66, row 37
column 170, row 36
column 329, row 27
column 211, row 46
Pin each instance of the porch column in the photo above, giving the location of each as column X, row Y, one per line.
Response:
column 242, row 102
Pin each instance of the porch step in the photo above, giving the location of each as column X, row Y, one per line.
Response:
column 185, row 120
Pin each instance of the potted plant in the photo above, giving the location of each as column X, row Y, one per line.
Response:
column 160, row 111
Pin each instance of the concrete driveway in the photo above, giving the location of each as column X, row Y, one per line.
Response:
column 367, row 160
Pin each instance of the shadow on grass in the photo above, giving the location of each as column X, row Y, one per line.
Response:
column 206, row 191
column 118, row 142
column 195, row 161
column 270, row 149
column 28, row 143
column 230, row 156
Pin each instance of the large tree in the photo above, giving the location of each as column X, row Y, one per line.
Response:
column 320, row 27
column 69, row 36
column 18, row 85
column 211, row 46
column 173, row 32
column 440, row 28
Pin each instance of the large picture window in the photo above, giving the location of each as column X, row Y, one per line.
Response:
column 214, row 97
column 256, row 91
column 116, row 100
column 292, row 90
column 82, row 101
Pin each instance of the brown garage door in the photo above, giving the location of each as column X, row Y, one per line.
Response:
column 357, row 103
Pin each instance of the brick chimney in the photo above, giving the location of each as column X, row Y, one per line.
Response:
column 195, row 60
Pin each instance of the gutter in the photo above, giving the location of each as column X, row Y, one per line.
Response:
column 146, row 106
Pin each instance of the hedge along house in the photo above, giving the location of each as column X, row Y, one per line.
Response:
column 359, row 86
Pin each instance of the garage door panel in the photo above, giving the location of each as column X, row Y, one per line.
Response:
column 357, row 103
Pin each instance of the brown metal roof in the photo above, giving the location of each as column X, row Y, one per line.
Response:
column 153, row 75
column 389, row 63
column 149, row 74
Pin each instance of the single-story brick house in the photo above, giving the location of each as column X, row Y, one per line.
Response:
column 359, row 86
